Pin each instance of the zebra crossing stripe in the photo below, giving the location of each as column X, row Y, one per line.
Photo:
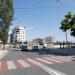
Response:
column 11, row 65
column 67, row 57
column 31, row 64
column 4, row 67
column 49, row 70
column 62, row 59
column 17, row 64
column 0, row 65
column 53, row 60
column 42, row 60
column 23, row 63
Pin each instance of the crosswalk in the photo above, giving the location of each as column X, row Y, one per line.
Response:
column 28, row 63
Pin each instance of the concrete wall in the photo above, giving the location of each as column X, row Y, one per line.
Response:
column 56, row 46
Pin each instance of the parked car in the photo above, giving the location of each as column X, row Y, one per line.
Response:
column 35, row 48
column 14, row 46
column 23, row 48
column 73, row 46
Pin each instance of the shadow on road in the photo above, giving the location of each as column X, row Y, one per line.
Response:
column 62, row 52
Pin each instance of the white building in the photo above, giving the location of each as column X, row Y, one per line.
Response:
column 18, row 34
column 46, row 41
column 49, row 40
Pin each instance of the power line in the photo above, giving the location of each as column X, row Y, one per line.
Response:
column 45, row 7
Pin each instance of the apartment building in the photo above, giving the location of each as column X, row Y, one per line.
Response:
column 18, row 34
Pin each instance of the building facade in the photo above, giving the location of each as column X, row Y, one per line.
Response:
column 46, row 41
column 18, row 34
column 49, row 40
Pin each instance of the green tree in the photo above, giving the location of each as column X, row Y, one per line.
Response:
column 72, row 23
column 20, row 42
column 40, row 41
column 26, row 42
column 65, row 23
column 6, row 17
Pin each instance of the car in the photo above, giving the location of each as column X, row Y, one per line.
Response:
column 23, row 48
column 14, row 46
column 35, row 48
column 73, row 46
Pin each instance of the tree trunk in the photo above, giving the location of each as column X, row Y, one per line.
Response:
column 66, row 38
column 3, row 46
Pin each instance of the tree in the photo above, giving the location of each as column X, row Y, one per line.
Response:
column 20, row 42
column 26, row 42
column 65, row 24
column 6, row 17
column 40, row 41
column 72, row 23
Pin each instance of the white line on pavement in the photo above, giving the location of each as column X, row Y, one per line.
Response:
column 0, row 65
column 42, row 60
column 11, row 65
column 23, row 63
column 53, row 60
column 46, row 68
column 61, row 59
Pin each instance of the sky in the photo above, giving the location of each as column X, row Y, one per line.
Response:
column 42, row 17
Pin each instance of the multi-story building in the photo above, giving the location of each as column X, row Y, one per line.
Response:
column 18, row 34
column 37, row 41
column 46, row 41
column 49, row 40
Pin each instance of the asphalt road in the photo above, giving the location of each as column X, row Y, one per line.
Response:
column 33, row 63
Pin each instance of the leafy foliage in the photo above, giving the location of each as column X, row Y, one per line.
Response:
column 72, row 23
column 26, row 42
column 68, row 23
column 40, row 41
column 6, row 17
column 65, row 23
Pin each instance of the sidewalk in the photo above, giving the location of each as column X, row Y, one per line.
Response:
column 3, row 53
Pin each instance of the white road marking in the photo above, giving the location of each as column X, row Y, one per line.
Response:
column 23, row 63
column 45, row 61
column 52, row 60
column 46, row 68
column 65, row 57
column 11, row 65
column 0, row 66
column 62, row 59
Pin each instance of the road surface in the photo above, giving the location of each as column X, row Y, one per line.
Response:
column 33, row 63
